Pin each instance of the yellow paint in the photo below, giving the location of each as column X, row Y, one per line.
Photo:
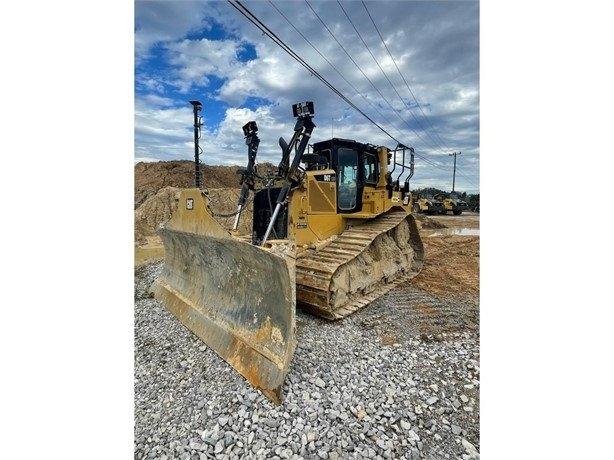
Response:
column 313, row 206
column 193, row 216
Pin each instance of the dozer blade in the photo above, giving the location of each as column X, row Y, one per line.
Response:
column 237, row 298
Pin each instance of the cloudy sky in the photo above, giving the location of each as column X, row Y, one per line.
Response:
column 412, row 67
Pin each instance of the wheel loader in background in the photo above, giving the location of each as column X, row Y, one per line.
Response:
column 332, row 231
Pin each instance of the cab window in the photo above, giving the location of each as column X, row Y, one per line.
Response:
column 347, row 174
column 370, row 168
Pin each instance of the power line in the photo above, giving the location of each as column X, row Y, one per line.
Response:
column 409, row 89
column 254, row 20
column 432, row 163
column 278, row 41
column 329, row 63
column 362, row 72
column 401, row 74
column 386, row 76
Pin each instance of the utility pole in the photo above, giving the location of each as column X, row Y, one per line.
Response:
column 454, row 174
column 197, row 106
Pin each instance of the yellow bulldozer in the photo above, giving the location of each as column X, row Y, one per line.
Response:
column 427, row 204
column 332, row 231
column 453, row 204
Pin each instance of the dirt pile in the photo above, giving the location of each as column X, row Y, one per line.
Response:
column 452, row 266
column 425, row 222
column 158, row 208
column 151, row 177
column 157, row 186
column 153, row 211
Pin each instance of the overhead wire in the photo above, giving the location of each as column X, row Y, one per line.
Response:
column 405, row 81
column 278, row 41
column 263, row 28
column 425, row 159
column 400, row 73
column 436, row 142
column 363, row 73
column 254, row 20
column 329, row 63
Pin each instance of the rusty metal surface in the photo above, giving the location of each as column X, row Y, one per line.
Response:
column 237, row 298
column 362, row 264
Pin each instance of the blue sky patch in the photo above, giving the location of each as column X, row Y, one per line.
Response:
column 247, row 52
column 254, row 102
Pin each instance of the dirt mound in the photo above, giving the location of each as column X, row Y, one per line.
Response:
column 153, row 211
column 156, row 191
column 159, row 208
column 424, row 222
column 151, row 177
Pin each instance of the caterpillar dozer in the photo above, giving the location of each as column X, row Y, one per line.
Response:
column 453, row 203
column 332, row 231
column 427, row 205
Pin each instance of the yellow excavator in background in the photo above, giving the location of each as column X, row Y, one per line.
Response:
column 332, row 231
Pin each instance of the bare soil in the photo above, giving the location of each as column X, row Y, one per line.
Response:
column 149, row 178
column 158, row 208
column 443, row 299
column 452, row 262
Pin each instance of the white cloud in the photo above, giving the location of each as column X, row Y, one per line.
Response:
column 435, row 46
column 195, row 59
column 164, row 21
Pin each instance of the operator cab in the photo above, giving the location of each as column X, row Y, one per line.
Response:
column 357, row 166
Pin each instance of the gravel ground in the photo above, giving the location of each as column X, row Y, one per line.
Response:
column 399, row 379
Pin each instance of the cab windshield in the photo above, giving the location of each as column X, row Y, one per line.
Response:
column 348, row 167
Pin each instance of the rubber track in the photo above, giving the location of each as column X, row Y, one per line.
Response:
column 315, row 271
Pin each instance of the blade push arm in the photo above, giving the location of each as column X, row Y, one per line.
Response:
column 302, row 133
column 250, row 130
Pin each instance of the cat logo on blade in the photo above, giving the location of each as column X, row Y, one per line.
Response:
column 189, row 203
column 300, row 225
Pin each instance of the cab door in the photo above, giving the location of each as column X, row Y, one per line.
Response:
column 350, row 180
column 370, row 168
